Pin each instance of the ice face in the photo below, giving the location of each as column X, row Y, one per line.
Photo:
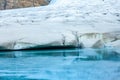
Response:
column 88, row 18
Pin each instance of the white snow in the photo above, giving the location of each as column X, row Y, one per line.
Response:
column 48, row 25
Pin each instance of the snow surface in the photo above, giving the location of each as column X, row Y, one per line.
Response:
column 63, row 22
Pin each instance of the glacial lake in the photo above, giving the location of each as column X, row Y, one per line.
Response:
column 68, row 64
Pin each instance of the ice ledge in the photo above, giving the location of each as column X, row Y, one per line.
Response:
column 76, row 40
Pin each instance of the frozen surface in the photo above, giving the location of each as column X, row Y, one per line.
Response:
column 54, row 65
column 58, row 24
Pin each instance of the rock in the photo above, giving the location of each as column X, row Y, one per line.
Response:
column 12, row 4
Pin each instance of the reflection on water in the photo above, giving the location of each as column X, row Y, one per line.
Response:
column 83, row 54
column 73, row 64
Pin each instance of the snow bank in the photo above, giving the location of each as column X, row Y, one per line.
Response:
column 75, row 23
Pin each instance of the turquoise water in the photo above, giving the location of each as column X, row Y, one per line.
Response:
column 73, row 64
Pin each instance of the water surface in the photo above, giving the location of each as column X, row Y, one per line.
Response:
column 73, row 64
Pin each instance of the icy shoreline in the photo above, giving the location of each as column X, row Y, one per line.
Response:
column 62, row 23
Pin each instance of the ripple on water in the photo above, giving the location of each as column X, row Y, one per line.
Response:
column 75, row 64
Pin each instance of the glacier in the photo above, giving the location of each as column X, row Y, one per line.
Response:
column 62, row 23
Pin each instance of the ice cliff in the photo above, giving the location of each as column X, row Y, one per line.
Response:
column 63, row 23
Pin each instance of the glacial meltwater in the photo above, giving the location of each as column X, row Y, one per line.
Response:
column 68, row 64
